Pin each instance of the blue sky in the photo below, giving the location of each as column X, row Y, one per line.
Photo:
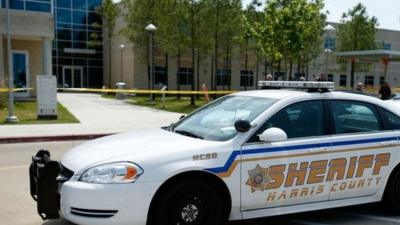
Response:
column 387, row 11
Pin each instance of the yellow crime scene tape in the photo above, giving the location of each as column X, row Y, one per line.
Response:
column 128, row 91
column 136, row 91
column 4, row 90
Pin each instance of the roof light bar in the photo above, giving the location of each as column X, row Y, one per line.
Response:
column 297, row 84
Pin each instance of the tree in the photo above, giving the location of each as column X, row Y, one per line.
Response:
column 288, row 28
column 109, row 13
column 357, row 33
column 249, row 18
column 139, row 13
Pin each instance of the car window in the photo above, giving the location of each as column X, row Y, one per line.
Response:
column 354, row 117
column 391, row 121
column 216, row 121
column 303, row 119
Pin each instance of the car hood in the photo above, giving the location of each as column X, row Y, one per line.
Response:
column 129, row 147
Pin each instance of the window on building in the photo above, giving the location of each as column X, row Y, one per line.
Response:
column 246, row 78
column 29, row 5
column 381, row 80
column 223, row 77
column 298, row 76
column 79, row 4
column 79, row 17
column 79, row 35
column 330, row 43
column 330, row 77
column 63, row 4
column 343, row 81
column 63, row 16
column 160, row 75
column 63, row 34
column 387, row 46
column 279, row 75
column 185, row 76
column 369, row 81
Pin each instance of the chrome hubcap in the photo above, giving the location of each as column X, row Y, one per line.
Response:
column 189, row 213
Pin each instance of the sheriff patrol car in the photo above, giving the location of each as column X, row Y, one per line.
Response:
column 298, row 146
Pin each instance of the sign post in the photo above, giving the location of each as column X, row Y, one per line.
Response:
column 46, row 97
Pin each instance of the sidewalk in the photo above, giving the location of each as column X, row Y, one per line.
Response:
column 98, row 116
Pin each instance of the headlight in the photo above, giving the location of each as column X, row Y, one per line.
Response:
column 113, row 173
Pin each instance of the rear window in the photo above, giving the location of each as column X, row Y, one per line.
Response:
column 354, row 117
column 390, row 120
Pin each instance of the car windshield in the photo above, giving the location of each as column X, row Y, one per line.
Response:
column 216, row 120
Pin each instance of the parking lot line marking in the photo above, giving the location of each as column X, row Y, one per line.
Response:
column 303, row 222
column 372, row 217
column 14, row 167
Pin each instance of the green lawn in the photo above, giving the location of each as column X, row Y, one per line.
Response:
column 27, row 114
column 172, row 104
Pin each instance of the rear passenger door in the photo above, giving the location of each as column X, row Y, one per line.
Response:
column 363, row 149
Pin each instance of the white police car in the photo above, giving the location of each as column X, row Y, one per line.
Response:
column 246, row 155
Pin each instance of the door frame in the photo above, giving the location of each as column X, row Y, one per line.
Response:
column 72, row 68
column 24, row 94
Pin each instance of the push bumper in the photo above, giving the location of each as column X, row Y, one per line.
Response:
column 43, row 174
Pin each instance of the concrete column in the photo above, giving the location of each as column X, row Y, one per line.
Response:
column 2, row 59
column 47, row 61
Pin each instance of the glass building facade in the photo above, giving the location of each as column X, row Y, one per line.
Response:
column 76, row 62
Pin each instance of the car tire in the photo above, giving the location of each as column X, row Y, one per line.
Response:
column 391, row 197
column 189, row 202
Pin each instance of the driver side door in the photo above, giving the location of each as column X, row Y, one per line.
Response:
column 292, row 171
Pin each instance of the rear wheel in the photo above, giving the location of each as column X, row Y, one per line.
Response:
column 189, row 203
column 391, row 198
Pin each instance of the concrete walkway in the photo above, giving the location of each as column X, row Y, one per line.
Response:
column 97, row 116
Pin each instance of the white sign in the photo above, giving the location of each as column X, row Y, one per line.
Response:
column 46, row 96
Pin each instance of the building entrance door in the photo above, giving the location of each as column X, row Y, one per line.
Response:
column 21, row 72
column 72, row 76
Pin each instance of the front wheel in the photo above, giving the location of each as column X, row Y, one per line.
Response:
column 189, row 203
column 391, row 197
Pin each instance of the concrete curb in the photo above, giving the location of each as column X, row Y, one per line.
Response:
column 10, row 140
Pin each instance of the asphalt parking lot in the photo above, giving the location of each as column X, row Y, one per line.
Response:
column 17, row 207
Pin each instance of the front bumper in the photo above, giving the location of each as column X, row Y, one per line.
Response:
column 86, row 203
column 98, row 204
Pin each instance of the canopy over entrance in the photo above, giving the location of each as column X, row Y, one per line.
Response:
column 382, row 56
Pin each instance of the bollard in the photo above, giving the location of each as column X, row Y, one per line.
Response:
column 120, row 86
column 163, row 95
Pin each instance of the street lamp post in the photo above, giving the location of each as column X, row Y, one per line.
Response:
column 151, row 29
column 122, row 46
column 329, row 30
column 11, row 117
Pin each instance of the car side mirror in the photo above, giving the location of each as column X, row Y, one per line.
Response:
column 182, row 117
column 242, row 126
column 273, row 134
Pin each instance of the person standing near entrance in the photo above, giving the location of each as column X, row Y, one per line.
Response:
column 385, row 91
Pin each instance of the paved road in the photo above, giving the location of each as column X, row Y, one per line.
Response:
column 17, row 207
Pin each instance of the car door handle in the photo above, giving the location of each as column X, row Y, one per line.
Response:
column 316, row 150
column 388, row 143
